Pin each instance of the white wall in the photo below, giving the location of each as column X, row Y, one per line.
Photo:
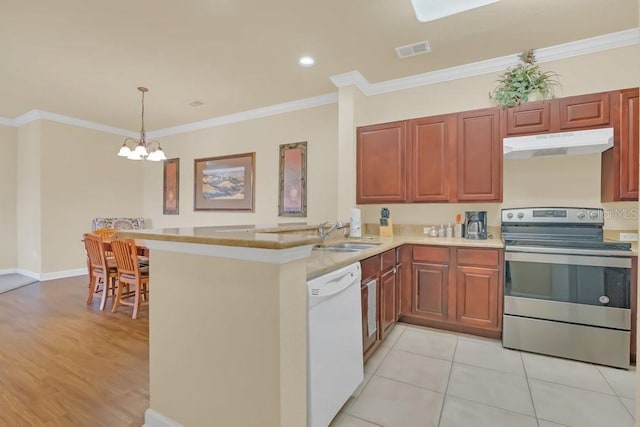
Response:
column 317, row 126
column 8, row 192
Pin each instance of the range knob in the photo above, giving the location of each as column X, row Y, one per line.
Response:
column 510, row 215
column 593, row 214
column 582, row 215
column 520, row 215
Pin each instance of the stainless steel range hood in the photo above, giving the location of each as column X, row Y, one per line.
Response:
column 558, row 144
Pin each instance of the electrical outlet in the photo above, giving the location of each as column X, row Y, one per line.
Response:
column 629, row 237
column 425, row 230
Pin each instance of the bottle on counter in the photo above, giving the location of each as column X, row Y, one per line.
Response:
column 442, row 232
column 433, row 232
column 449, row 230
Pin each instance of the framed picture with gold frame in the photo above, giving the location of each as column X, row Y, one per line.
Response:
column 224, row 183
column 171, row 187
column 293, row 180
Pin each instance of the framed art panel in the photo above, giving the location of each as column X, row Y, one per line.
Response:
column 293, row 180
column 224, row 183
column 171, row 187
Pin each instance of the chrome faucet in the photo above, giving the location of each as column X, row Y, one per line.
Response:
column 323, row 234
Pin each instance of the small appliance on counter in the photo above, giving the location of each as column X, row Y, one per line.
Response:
column 355, row 223
column 475, row 225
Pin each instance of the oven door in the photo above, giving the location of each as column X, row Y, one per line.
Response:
column 582, row 289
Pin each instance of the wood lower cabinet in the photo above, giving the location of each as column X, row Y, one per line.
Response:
column 459, row 289
column 477, row 297
column 479, row 156
column 381, row 163
column 430, row 291
column 370, row 268
column 620, row 163
column 387, row 302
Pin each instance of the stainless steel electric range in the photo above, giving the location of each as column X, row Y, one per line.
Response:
column 566, row 290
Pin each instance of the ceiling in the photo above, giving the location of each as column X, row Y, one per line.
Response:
column 84, row 58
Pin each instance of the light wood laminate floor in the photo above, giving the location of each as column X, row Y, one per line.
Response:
column 63, row 363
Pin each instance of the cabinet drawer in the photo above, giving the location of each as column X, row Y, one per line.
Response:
column 388, row 260
column 370, row 267
column 482, row 257
column 530, row 117
column 431, row 254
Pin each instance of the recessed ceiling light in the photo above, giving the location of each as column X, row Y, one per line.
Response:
column 430, row 10
column 306, row 61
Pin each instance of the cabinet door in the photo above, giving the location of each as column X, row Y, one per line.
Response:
column 432, row 157
column 367, row 341
column 381, row 163
column 388, row 301
column 479, row 156
column 629, row 145
column 477, row 297
column 429, row 291
column 582, row 111
column 531, row 117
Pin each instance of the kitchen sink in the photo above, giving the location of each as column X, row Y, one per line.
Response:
column 346, row 247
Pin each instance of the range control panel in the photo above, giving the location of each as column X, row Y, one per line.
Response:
column 553, row 215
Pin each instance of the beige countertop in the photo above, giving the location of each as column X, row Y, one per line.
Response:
column 276, row 236
column 321, row 262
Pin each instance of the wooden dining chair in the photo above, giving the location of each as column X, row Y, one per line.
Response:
column 103, row 272
column 130, row 273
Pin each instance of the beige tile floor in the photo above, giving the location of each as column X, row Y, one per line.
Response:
column 422, row 377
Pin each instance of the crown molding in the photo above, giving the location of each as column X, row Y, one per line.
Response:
column 271, row 110
column 34, row 115
column 566, row 50
column 494, row 65
column 7, row 122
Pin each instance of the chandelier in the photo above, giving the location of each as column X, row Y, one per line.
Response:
column 143, row 149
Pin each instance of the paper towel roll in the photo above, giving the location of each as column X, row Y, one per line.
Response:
column 355, row 223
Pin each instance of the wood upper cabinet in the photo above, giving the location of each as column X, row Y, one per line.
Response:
column 629, row 145
column 531, row 117
column 381, row 163
column 620, row 164
column 432, row 158
column 583, row 111
column 479, row 156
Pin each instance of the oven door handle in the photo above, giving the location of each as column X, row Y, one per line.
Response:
column 568, row 251
column 595, row 261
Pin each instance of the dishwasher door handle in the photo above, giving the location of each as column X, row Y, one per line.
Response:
column 333, row 287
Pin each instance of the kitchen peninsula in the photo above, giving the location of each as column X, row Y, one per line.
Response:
column 228, row 322
column 227, row 326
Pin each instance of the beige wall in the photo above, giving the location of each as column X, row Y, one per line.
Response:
column 8, row 188
column 28, row 204
column 574, row 180
column 317, row 126
column 82, row 178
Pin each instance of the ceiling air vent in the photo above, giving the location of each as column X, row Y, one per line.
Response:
column 413, row 49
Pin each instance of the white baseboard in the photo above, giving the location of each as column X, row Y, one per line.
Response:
column 62, row 274
column 43, row 277
column 156, row 419
column 28, row 273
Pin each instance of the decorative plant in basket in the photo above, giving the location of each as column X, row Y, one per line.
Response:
column 524, row 82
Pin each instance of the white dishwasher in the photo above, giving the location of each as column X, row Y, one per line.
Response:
column 335, row 366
